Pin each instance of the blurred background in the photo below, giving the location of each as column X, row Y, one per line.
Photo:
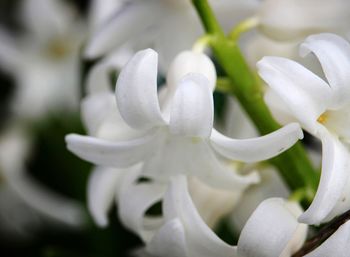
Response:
column 36, row 170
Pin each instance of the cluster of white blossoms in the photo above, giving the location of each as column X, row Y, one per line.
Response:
column 156, row 142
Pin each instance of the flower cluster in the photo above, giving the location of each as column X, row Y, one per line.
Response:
column 185, row 140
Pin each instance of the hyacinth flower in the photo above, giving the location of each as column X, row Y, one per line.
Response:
column 182, row 136
column 322, row 108
column 137, row 24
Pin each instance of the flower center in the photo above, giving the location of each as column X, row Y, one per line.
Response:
column 57, row 49
column 323, row 118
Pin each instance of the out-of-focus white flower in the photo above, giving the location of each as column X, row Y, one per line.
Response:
column 44, row 60
column 323, row 110
column 272, row 230
column 14, row 150
column 182, row 137
column 160, row 23
column 295, row 19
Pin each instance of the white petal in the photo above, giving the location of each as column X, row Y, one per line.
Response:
column 136, row 91
column 170, row 241
column 305, row 94
column 257, row 149
column 10, row 56
column 127, row 22
column 100, row 11
column 94, row 110
column 332, row 194
column 336, row 245
column 338, row 122
column 201, row 240
column 333, row 52
column 102, row 187
column 190, row 62
column 134, row 200
column 116, row 154
column 192, row 110
column 268, row 230
column 46, row 202
column 278, row 108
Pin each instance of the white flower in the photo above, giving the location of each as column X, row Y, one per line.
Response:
column 181, row 139
column 44, row 60
column 295, row 19
column 272, row 230
column 323, row 110
column 160, row 23
column 103, row 120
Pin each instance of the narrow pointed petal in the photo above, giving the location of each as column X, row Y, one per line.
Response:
column 336, row 245
column 100, row 11
column 169, row 241
column 106, row 153
column 192, row 110
column 257, row 149
column 127, row 22
column 268, row 230
column 102, row 187
column 201, row 240
column 333, row 52
column 136, row 91
column 134, row 200
column 332, row 196
column 304, row 93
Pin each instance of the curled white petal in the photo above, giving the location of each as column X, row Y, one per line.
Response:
column 136, row 91
column 257, row 149
column 201, row 240
column 134, row 200
column 102, row 187
column 307, row 96
column 332, row 194
column 192, row 110
column 333, row 52
column 169, row 241
column 268, row 230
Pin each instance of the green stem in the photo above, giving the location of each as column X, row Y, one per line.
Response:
column 294, row 165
